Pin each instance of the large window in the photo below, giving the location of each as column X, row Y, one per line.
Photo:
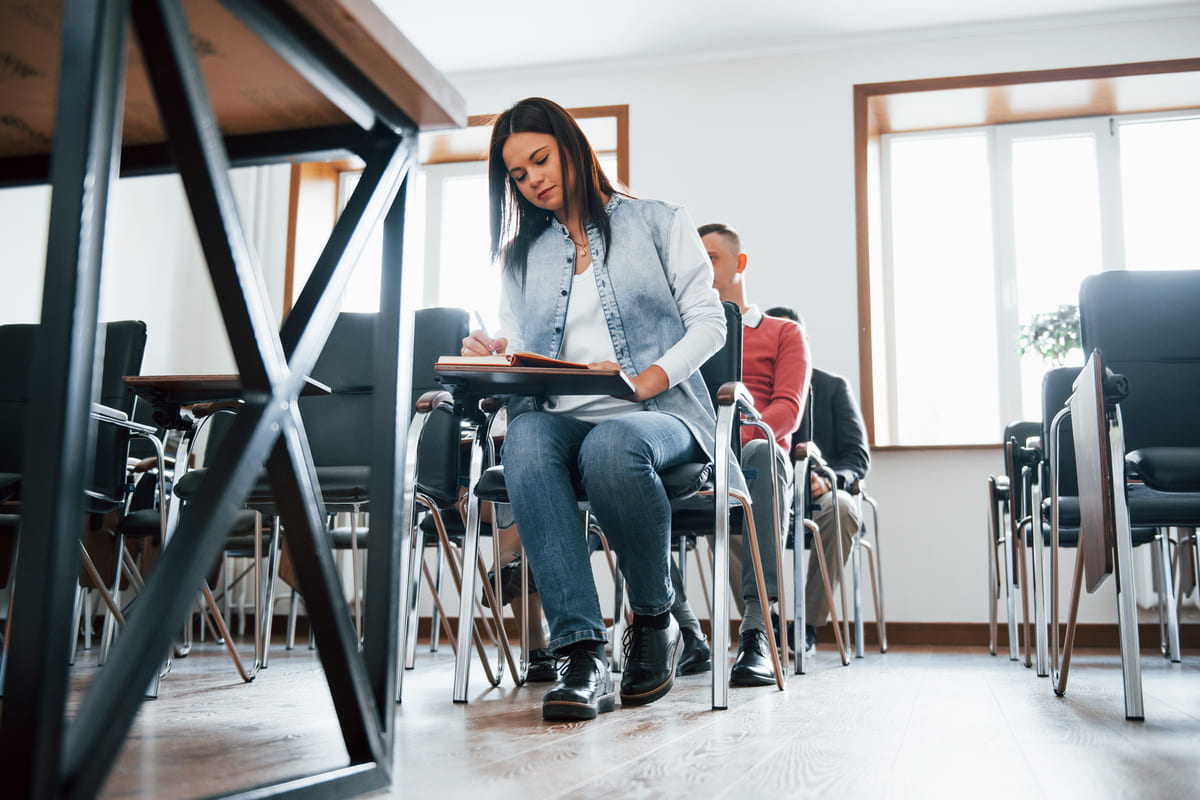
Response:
column 983, row 200
column 983, row 228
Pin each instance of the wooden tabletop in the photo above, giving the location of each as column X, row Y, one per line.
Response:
column 251, row 88
column 188, row 389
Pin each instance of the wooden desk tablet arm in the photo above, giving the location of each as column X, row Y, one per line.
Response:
column 432, row 399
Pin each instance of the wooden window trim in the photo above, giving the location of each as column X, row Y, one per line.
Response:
column 867, row 132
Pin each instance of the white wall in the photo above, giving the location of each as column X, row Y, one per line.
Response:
column 153, row 268
column 764, row 144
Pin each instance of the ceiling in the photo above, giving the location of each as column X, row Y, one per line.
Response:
column 472, row 35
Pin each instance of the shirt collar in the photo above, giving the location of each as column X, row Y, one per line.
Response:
column 613, row 200
column 752, row 317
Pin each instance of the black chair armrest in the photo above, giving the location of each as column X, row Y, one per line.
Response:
column 1166, row 469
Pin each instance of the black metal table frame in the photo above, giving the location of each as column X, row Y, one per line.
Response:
column 44, row 754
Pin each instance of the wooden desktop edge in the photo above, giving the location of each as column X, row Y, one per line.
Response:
column 178, row 383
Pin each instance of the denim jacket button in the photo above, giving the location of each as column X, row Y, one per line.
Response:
column 558, row 330
column 563, row 292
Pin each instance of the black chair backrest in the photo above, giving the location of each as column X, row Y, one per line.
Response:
column 1021, row 431
column 16, row 343
column 124, row 346
column 1056, row 391
column 437, row 332
column 1146, row 325
column 339, row 424
column 726, row 364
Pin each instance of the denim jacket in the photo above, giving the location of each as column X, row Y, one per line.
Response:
column 644, row 312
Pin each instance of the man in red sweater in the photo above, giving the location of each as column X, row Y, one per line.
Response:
column 776, row 369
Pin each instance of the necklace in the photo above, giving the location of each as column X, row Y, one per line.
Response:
column 581, row 250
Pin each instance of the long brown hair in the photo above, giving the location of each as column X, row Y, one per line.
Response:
column 515, row 222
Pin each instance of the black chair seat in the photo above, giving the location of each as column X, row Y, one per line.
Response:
column 455, row 530
column 10, row 485
column 344, row 485
column 339, row 486
column 684, row 480
column 491, row 486
column 1069, row 537
column 144, row 524
column 1147, row 507
column 681, row 481
column 1167, row 469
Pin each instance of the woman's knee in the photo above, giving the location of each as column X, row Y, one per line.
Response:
column 614, row 448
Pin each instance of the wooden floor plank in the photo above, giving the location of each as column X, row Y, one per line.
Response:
column 916, row 722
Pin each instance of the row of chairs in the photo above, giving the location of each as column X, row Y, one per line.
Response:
column 1068, row 482
column 120, row 509
column 335, row 425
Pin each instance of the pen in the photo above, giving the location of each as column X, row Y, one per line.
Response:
column 483, row 327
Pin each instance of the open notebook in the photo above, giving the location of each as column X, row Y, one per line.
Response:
column 520, row 359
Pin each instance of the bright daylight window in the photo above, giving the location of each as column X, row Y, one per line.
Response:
column 985, row 227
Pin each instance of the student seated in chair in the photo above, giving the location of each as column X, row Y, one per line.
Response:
column 776, row 370
column 595, row 276
column 841, row 437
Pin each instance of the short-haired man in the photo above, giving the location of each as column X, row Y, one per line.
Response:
column 776, row 370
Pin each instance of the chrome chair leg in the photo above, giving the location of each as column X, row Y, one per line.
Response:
column 1168, row 615
column 1039, row 598
column 77, row 612
column 993, row 600
column 798, row 610
column 268, row 589
column 293, row 603
column 1131, row 663
column 436, row 614
column 618, row 628
column 416, row 555
column 1010, row 589
column 856, row 567
column 881, row 613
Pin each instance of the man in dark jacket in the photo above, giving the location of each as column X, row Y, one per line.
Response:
column 841, row 438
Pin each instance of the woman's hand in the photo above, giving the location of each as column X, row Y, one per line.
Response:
column 651, row 382
column 478, row 344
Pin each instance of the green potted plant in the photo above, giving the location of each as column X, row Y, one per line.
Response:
column 1053, row 335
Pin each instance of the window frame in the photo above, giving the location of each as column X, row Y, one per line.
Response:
column 992, row 91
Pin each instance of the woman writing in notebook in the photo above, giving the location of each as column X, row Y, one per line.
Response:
column 594, row 276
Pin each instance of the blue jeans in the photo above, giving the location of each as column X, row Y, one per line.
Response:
column 618, row 462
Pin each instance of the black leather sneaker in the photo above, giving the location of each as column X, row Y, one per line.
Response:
column 650, row 656
column 543, row 667
column 584, row 690
column 753, row 666
column 696, row 656
column 510, row 583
